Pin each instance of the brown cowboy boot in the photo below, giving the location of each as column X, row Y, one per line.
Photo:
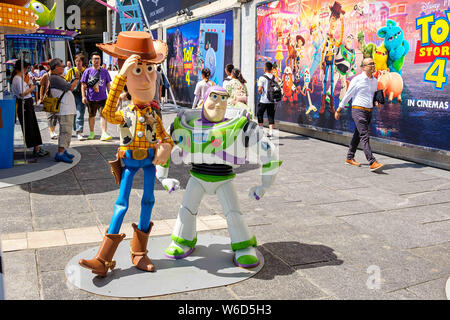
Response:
column 103, row 260
column 138, row 249
column 332, row 105
column 322, row 108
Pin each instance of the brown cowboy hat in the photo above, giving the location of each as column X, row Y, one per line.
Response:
column 336, row 9
column 136, row 42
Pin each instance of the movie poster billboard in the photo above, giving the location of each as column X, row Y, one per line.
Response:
column 205, row 43
column 318, row 47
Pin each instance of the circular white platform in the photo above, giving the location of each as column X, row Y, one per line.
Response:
column 210, row 265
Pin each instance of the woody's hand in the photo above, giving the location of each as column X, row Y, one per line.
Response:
column 162, row 154
column 129, row 65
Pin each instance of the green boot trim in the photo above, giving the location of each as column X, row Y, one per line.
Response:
column 174, row 251
column 244, row 244
column 247, row 260
column 184, row 242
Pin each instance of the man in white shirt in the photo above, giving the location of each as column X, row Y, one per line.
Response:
column 361, row 90
column 264, row 102
column 68, row 67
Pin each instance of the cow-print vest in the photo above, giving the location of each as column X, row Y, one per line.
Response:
column 127, row 130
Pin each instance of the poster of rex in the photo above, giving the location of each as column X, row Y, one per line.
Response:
column 408, row 40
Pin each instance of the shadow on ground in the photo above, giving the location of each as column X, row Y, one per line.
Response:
column 297, row 255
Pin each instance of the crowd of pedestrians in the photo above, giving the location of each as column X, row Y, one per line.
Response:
column 81, row 87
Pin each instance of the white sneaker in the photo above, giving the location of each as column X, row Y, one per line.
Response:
column 80, row 137
column 105, row 136
column 53, row 135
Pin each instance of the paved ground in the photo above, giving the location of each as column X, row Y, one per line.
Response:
column 326, row 230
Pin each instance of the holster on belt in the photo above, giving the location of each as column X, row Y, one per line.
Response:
column 116, row 168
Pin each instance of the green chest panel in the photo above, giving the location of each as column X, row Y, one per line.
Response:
column 192, row 137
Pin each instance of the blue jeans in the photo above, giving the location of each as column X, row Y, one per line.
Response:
column 78, row 121
column 148, row 198
column 328, row 65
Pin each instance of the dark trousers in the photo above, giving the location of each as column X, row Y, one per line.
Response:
column 32, row 131
column 262, row 107
column 362, row 120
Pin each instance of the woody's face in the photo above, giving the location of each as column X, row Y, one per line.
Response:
column 141, row 82
column 333, row 24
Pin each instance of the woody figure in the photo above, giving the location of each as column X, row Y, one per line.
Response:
column 329, row 52
column 143, row 143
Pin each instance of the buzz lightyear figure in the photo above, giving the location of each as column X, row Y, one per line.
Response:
column 214, row 145
column 344, row 66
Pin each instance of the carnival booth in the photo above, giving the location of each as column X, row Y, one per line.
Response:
column 14, row 19
column 21, row 38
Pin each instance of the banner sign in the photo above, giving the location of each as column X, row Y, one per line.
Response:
column 205, row 43
column 162, row 9
column 318, row 47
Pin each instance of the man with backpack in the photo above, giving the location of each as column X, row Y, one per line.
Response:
column 270, row 92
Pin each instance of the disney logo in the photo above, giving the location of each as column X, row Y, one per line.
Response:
column 430, row 7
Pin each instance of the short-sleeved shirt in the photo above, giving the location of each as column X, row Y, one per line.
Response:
column 159, row 83
column 201, row 87
column 57, row 86
column 16, row 87
column 105, row 78
column 263, row 82
column 226, row 81
column 71, row 73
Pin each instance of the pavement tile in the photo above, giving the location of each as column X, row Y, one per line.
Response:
column 219, row 293
column 391, row 228
column 14, row 236
column 343, row 281
column 20, row 275
column 402, row 294
column 42, row 239
column 160, row 227
column 83, row 235
column 438, row 254
column 347, row 208
column 425, row 198
column 14, row 245
column 56, row 287
column 16, row 225
column 430, row 290
column 201, row 226
column 416, row 273
column 63, row 220
column 424, row 214
column 276, row 281
column 56, row 258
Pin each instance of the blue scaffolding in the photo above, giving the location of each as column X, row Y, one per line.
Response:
column 130, row 15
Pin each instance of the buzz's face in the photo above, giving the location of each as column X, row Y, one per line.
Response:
column 349, row 42
column 215, row 106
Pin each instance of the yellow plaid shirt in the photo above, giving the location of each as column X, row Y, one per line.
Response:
column 117, row 117
column 331, row 43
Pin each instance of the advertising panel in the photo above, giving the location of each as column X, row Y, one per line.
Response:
column 205, row 43
column 408, row 40
column 162, row 9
